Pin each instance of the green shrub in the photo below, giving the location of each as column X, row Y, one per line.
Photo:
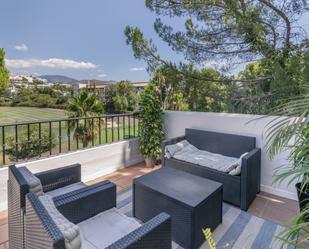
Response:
column 151, row 122
column 34, row 148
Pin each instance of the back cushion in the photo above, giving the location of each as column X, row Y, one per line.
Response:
column 222, row 143
column 33, row 182
column 70, row 231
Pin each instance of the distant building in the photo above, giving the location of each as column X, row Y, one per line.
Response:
column 139, row 86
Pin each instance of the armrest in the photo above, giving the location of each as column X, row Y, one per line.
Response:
column 250, row 177
column 82, row 204
column 169, row 142
column 60, row 177
column 154, row 234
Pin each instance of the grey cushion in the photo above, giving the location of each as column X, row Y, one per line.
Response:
column 66, row 189
column 69, row 230
column 34, row 183
column 170, row 150
column 106, row 228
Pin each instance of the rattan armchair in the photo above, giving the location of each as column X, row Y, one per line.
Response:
column 42, row 229
column 56, row 183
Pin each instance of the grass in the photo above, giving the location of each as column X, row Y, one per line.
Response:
column 22, row 114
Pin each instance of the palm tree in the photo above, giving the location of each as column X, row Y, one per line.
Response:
column 84, row 104
column 289, row 130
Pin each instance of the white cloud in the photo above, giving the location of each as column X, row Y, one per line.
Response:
column 102, row 75
column 136, row 69
column 49, row 63
column 21, row 47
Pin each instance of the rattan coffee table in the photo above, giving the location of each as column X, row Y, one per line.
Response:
column 194, row 203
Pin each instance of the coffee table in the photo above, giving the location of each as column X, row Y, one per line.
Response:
column 194, row 203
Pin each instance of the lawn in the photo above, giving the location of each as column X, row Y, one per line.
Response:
column 22, row 114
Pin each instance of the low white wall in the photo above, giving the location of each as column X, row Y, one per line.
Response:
column 176, row 122
column 95, row 162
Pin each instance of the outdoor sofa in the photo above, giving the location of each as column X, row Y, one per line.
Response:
column 56, row 183
column 238, row 190
column 89, row 220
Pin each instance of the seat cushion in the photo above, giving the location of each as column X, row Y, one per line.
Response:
column 70, row 231
column 106, row 228
column 33, row 182
column 66, row 189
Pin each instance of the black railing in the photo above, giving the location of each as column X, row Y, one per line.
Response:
column 32, row 140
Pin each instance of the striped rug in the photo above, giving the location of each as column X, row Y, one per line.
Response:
column 239, row 229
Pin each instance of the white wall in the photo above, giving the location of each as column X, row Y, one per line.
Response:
column 95, row 162
column 176, row 122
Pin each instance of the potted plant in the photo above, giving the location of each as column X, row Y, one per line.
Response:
column 150, row 124
column 289, row 130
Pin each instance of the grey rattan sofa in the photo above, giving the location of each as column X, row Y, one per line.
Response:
column 21, row 181
column 239, row 190
column 43, row 232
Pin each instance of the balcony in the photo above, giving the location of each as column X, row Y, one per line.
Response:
column 121, row 162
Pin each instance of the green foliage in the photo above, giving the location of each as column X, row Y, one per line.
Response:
column 167, row 81
column 289, row 130
column 268, row 92
column 31, row 149
column 85, row 104
column 40, row 97
column 4, row 73
column 186, row 89
column 121, row 98
column 233, row 32
column 151, row 122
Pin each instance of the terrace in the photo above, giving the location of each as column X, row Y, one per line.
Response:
column 115, row 156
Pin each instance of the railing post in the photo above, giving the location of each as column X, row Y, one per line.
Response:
column 40, row 138
column 106, row 137
column 50, row 138
column 16, row 142
column 123, row 127
column 3, row 145
column 129, row 126
column 100, row 138
column 85, row 133
column 118, row 135
column 69, row 136
column 112, row 128
column 134, row 124
column 59, row 133
column 28, row 140
column 92, row 131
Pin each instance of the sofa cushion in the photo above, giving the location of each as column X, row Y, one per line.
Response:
column 66, row 189
column 106, row 228
column 34, row 183
column 70, row 231
column 187, row 152
column 171, row 150
column 237, row 170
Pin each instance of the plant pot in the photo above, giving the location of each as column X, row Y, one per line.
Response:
column 150, row 162
column 303, row 196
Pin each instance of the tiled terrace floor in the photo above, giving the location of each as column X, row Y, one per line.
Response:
column 267, row 206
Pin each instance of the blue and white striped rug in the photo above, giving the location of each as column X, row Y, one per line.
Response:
column 239, row 229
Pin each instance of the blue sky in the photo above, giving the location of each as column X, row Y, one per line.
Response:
column 78, row 38
column 56, row 37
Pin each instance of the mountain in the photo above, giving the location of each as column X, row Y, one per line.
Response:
column 57, row 79
column 98, row 82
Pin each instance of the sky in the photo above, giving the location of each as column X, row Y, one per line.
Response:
column 80, row 39
column 77, row 38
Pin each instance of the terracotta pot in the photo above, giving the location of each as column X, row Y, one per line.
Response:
column 150, row 162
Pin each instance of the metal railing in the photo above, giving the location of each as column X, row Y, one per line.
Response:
column 32, row 140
